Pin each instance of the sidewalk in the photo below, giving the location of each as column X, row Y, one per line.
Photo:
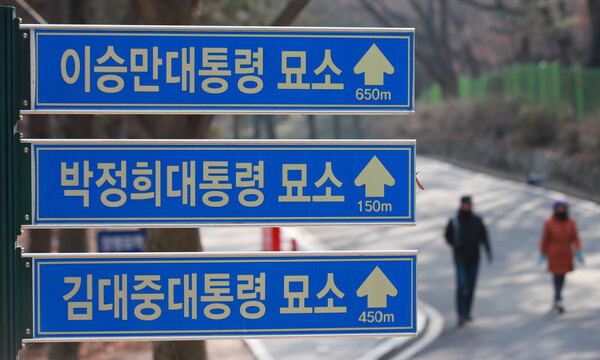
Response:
column 365, row 348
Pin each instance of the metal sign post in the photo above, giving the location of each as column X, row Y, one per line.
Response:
column 177, row 296
column 13, row 85
column 8, row 114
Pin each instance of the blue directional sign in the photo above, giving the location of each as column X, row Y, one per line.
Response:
column 92, row 69
column 182, row 183
column 121, row 241
column 184, row 296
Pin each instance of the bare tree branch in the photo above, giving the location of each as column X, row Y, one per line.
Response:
column 429, row 66
column 386, row 9
column 31, row 11
column 444, row 21
column 497, row 6
column 166, row 12
column 428, row 36
column 594, row 11
column 290, row 12
column 285, row 18
column 368, row 5
column 379, row 14
column 438, row 41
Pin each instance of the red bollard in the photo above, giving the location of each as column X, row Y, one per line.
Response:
column 271, row 239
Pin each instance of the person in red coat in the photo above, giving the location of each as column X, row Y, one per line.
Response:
column 560, row 242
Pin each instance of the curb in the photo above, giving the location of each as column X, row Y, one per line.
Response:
column 258, row 349
column 395, row 344
column 435, row 325
column 430, row 322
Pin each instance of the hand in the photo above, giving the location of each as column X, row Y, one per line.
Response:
column 490, row 258
column 542, row 259
column 579, row 256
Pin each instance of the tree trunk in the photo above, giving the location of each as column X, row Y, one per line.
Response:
column 187, row 239
column 70, row 240
column 594, row 10
column 289, row 13
column 357, row 127
column 269, row 124
column 176, row 239
column 180, row 350
column 256, row 119
column 337, row 127
column 237, row 126
column 64, row 351
column 312, row 127
column 181, row 240
column 271, row 127
column 39, row 239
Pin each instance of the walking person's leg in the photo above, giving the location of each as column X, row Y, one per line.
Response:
column 461, row 292
column 559, row 281
column 472, row 269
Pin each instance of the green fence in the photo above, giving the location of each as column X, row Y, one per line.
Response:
column 543, row 84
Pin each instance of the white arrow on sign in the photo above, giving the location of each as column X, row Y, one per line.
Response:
column 374, row 177
column 373, row 64
column 377, row 287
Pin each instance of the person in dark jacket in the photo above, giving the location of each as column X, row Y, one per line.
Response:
column 465, row 233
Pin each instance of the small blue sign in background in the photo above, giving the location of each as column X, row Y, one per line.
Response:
column 141, row 184
column 222, row 69
column 121, row 241
column 199, row 296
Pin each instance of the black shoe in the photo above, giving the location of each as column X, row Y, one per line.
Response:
column 558, row 307
column 462, row 322
column 469, row 318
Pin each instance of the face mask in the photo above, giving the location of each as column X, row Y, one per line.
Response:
column 462, row 213
column 561, row 215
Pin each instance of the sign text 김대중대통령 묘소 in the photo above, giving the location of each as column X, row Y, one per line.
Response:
column 207, row 295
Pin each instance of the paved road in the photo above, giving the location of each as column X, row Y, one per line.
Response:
column 514, row 296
